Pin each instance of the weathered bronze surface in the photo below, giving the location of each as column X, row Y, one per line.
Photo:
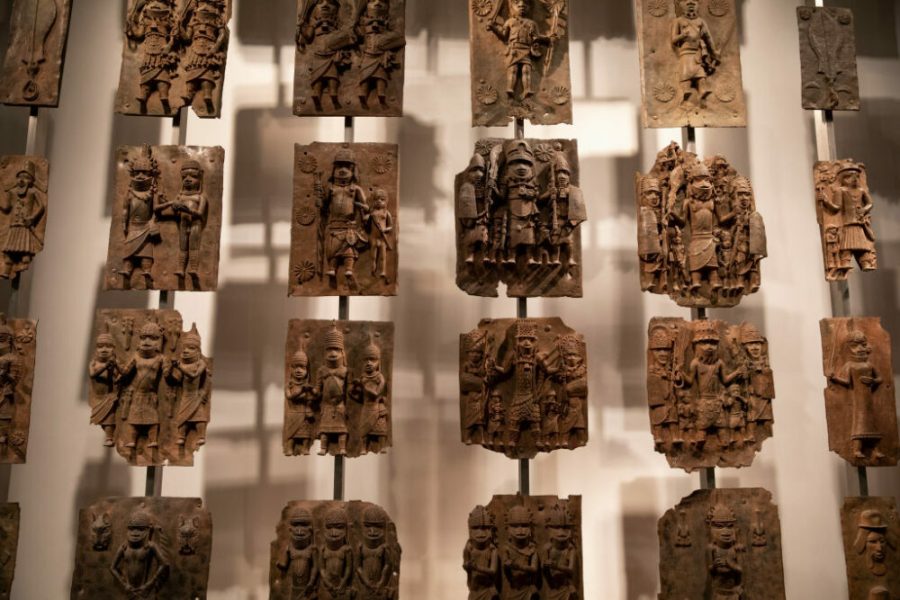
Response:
column 150, row 386
column 519, row 212
column 33, row 66
column 525, row 548
column 859, row 399
column 143, row 548
column 844, row 211
column 871, row 532
column 520, row 61
column 828, row 58
column 523, row 386
column 23, row 211
column 174, row 56
column 166, row 219
column 350, row 58
column 700, row 237
column 721, row 544
column 690, row 64
column 334, row 550
column 18, row 341
column 9, row 542
column 710, row 390
column 345, row 228
column 338, row 387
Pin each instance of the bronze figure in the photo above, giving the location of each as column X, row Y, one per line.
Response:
column 23, row 211
column 871, row 535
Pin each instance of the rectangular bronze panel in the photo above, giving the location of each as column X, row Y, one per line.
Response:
column 871, row 531
column 18, row 347
column 828, row 58
column 24, row 204
column 9, row 543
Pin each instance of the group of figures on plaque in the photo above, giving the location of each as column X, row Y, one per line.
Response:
column 32, row 68
column 335, row 550
column 143, row 549
column 338, row 387
column 525, row 548
column 518, row 215
column 166, row 219
column 350, row 58
column 710, row 391
column 345, row 225
column 722, row 544
column 23, row 211
column 844, row 211
column 523, row 386
column 174, row 56
column 700, row 237
column 871, row 532
column 150, row 386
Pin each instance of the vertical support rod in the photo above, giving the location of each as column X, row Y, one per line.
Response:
column 349, row 133
column 708, row 478
column 31, row 139
column 863, row 478
column 689, row 139
column 520, row 129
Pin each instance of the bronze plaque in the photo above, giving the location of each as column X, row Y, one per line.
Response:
column 690, row 64
column 338, row 387
column 350, row 58
column 859, row 399
column 345, row 228
column 142, row 548
column 520, row 61
column 700, row 238
column 23, row 211
column 519, row 212
column 525, row 548
column 150, row 386
column 166, row 219
column 709, row 390
column 33, row 67
column 18, row 341
column 844, row 211
column 871, row 533
column 173, row 57
column 721, row 544
column 523, row 386
column 336, row 551
column 828, row 58
column 9, row 542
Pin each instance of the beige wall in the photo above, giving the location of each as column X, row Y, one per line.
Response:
column 430, row 481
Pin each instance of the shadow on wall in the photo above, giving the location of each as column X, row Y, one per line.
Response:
column 419, row 155
column 873, row 137
column 125, row 131
column 876, row 18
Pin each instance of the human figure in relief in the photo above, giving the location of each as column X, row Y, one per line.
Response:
column 300, row 416
column 481, row 560
column 152, row 27
column 370, row 390
column 559, row 557
column 723, row 555
column 473, row 385
column 141, row 379
column 336, row 573
column 319, row 28
column 524, row 47
column 9, row 380
column 140, row 566
column 190, row 375
column 332, row 388
column 26, row 204
column 860, row 378
column 697, row 54
column 205, row 38
column 521, row 566
column 381, row 226
column 378, row 46
column 474, row 212
column 140, row 228
column 104, row 374
column 375, row 566
column 300, row 560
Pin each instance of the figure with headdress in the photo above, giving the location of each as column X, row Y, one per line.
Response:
column 205, row 36
column 381, row 226
column 300, row 560
column 651, row 236
column 760, row 380
column 872, row 541
column 26, row 204
column 521, row 566
column 191, row 375
column 726, row 574
column 749, row 239
column 572, row 374
column 378, row 49
column 337, row 558
column 697, row 55
column 319, row 28
column 152, row 27
column 474, row 211
column 860, row 378
column 473, row 386
column 371, row 391
column 375, row 566
column 140, row 384
column 519, row 190
column 851, row 199
column 331, row 389
column 496, row 420
column 140, row 566
column 707, row 377
column 831, row 220
column 662, row 380
column 299, row 412
column 189, row 210
column 699, row 212
column 524, row 47
column 104, row 374
column 9, row 380
column 480, row 558
column 566, row 211
column 559, row 556
column 139, row 220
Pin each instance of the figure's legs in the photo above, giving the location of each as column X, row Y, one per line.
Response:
column 110, row 431
column 695, row 280
column 208, row 86
column 704, row 89
column 687, row 90
column 846, row 259
column 470, row 253
column 183, row 245
column 348, row 271
column 876, row 453
column 714, row 281
column 751, row 432
column 512, row 78
column 556, row 259
column 162, row 88
column 201, row 432
column 532, row 252
column 4, row 431
column 182, row 434
column 364, row 90
column 858, row 449
column 527, row 91
column 127, row 270
column 754, row 280
column 146, row 266
column 131, row 436
column 190, row 92
column 333, row 266
column 868, row 260
column 153, row 436
column 317, row 93
column 342, row 444
column 381, row 90
column 333, row 91
column 323, row 444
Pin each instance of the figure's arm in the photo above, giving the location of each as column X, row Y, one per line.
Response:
column 532, row 564
column 676, row 34
column 499, row 28
column 114, row 569
column 710, row 44
column 284, row 562
column 842, row 377
column 348, row 568
column 40, row 207
column 866, row 202
column 389, row 222
column 160, row 569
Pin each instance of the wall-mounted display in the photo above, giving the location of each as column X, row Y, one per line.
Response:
column 23, row 211
column 828, row 58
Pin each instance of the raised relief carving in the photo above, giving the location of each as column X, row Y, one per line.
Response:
column 523, row 386
column 17, row 355
column 166, row 219
column 726, row 560
column 33, row 66
column 828, row 58
column 710, row 390
column 690, row 64
column 151, row 396
column 141, row 556
column 525, row 547
column 520, row 61
column 338, row 387
column 519, row 211
column 334, row 550
column 859, row 398
column 350, row 58
column 844, row 211
column 345, row 227
column 700, row 237
column 871, row 536
column 23, row 211
column 174, row 56
column 9, row 542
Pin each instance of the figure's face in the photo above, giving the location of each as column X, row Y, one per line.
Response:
column 525, row 345
column 149, row 345
column 335, row 534
column 141, row 178
column 562, row 179
column 24, row 180
column 723, row 534
column 372, row 364
column 377, row 7
column 299, row 371
column 744, row 198
column 690, row 8
column 374, row 534
column 190, row 180
column 851, row 179
column 707, row 348
column 190, row 352
column 104, row 351
column 520, row 533
column 820, row 192
column 326, row 10
column 520, row 8
column 301, row 533
column 380, row 201
column 754, row 349
column 662, row 356
column 137, row 536
column 343, row 171
column 496, row 402
column 859, row 349
column 521, row 169
column 572, row 359
column 475, row 357
column 476, row 175
column 652, row 198
column 875, row 546
column 560, row 536
column 480, row 536
column 701, row 186
column 333, row 356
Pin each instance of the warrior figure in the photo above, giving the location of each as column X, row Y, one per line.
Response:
column 9, row 379
column 140, row 566
column 300, row 416
column 859, row 376
column 140, row 381
column 760, row 380
column 734, row 416
column 496, row 416
column 523, row 40
column 192, row 375
column 559, row 557
column 336, row 572
column 651, row 236
column 550, row 409
column 474, row 211
column 378, row 56
column 872, row 540
column 572, row 374
column 205, row 36
column 371, row 391
column 662, row 378
column 343, row 207
column 567, row 211
column 480, row 558
column 301, row 558
column 190, row 210
column 139, row 220
column 152, row 25
column 832, row 222
column 331, row 388
column 375, row 568
column 749, row 238
column 722, row 555
column 520, row 192
column 381, row 225
column 521, row 571
column 474, row 388
column 697, row 55
column 853, row 202
column 702, row 262
column 26, row 203
column 104, row 373
column 320, row 29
